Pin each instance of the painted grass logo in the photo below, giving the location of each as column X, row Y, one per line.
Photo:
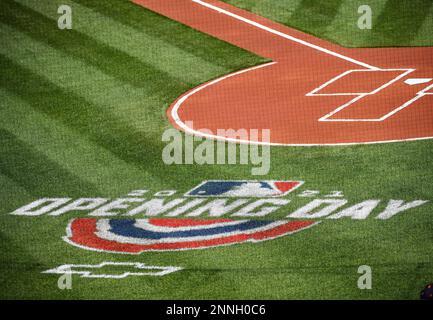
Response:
column 254, row 148
column 140, row 235
column 214, row 213
column 106, row 270
column 243, row 188
column 135, row 236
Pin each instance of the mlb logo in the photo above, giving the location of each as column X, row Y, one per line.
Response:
column 243, row 188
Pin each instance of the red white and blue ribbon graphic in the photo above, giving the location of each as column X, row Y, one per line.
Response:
column 167, row 234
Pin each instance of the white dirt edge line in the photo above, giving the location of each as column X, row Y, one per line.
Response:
column 187, row 129
column 283, row 35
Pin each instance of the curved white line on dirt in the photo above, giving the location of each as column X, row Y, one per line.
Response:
column 175, row 116
column 174, row 110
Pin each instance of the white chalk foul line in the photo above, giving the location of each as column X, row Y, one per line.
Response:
column 182, row 99
column 285, row 36
column 419, row 95
column 359, row 96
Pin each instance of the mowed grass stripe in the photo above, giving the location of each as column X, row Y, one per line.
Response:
column 426, row 29
column 188, row 40
column 346, row 22
column 12, row 195
column 110, row 60
column 139, row 45
column 35, row 172
column 138, row 148
column 395, row 22
column 83, row 158
column 399, row 22
column 277, row 10
column 122, row 100
column 315, row 16
column 132, row 134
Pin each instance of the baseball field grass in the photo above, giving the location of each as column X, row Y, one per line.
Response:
column 82, row 113
column 396, row 23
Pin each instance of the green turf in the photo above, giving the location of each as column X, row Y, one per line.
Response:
column 395, row 22
column 82, row 112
